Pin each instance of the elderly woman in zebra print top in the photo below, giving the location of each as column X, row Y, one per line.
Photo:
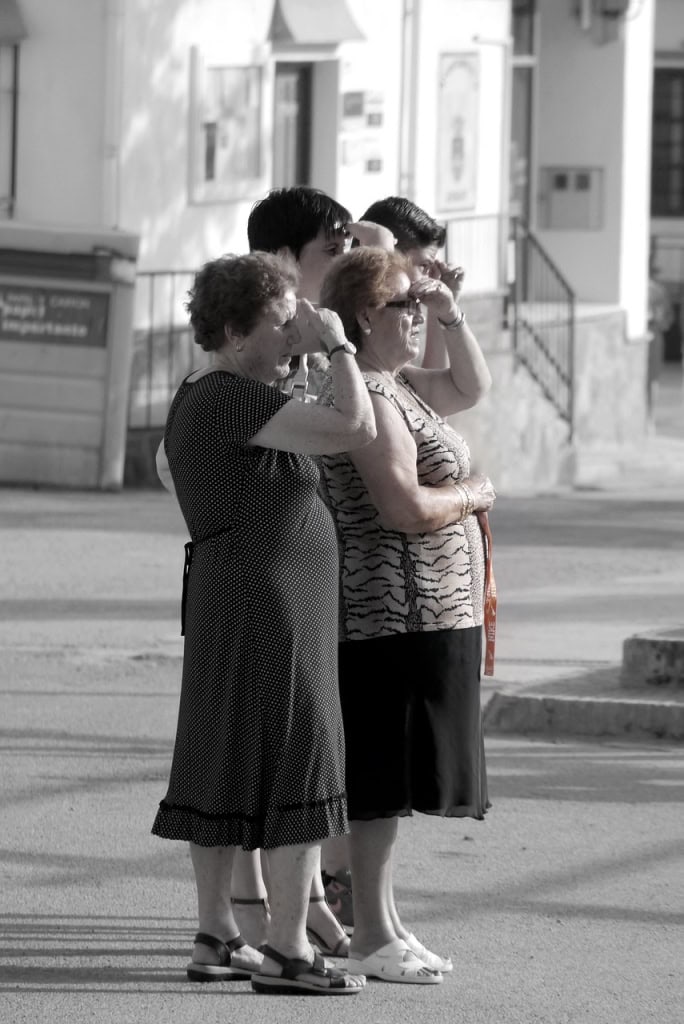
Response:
column 411, row 590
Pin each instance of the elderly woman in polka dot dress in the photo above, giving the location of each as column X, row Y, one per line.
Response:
column 259, row 753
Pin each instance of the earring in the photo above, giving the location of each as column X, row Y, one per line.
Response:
column 366, row 330
column 239, row 348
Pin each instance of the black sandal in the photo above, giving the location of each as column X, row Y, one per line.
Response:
column 301, row 977
column 223, row 970
column 341, row 947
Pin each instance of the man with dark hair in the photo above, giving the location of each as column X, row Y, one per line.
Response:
column 311, row 228
column 412, row 227
column 304, row 223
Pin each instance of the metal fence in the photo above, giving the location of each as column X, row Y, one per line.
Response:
column 164, row 351
column 479, row 244
column 542, row 320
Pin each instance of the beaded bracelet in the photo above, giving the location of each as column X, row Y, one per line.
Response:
column 451, row 325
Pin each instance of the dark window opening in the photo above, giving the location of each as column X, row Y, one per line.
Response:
column 292, row 125
column 667, row 148
column 9, row 94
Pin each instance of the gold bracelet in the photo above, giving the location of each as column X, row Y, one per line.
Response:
column 467, row 501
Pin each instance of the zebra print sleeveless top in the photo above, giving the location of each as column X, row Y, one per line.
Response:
column 394, row 582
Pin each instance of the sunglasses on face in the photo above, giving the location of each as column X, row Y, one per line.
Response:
column 411, row 304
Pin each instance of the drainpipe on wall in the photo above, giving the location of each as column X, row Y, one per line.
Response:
column 113, row 98
column 408, row 99
column 15, row 128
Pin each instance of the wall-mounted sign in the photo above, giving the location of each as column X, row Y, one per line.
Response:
column 225, row 132
column 457, row 131
column 53, row 315
column 363, row 119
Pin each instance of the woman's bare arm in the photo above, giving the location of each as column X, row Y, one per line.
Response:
column 387, row 467
column 163, row 469
column 466, row 378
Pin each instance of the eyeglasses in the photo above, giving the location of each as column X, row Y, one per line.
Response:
column 411, row 304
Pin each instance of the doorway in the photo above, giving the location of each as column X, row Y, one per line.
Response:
column 292, row 120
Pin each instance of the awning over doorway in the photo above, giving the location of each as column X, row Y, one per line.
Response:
column 313, row 22
column 12, row 27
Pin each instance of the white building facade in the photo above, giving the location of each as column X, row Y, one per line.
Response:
column 167, row 119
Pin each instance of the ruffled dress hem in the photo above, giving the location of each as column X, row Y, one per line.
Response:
column 308, row 822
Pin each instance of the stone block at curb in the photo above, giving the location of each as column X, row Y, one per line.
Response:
column 653, row 659
column 583, row 716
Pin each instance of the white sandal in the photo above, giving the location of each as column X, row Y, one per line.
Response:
column 394, row 962
column 431, row 960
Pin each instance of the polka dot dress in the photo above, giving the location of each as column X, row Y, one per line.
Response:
column 258, row 759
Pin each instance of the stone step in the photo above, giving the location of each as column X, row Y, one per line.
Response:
column 654, row 659
column 570, row 715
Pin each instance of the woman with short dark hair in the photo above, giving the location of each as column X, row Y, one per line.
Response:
column 258, row 759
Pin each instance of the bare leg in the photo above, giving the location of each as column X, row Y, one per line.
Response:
column 213, row 867
column 249, row 902
column 323, row 928
column 430, row 959
column 399, row 928
column 335, row 858
column 371, row 845
column 378, row 948
column 292, row 869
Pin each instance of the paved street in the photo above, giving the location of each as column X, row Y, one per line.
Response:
column 564, row 906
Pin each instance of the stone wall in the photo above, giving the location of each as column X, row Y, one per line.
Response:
column 515, row 435
column 611, row 399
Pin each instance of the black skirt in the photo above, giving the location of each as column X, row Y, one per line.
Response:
column 413, row 724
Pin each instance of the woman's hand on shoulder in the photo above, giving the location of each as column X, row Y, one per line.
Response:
column 315, row 329
column 482, row 490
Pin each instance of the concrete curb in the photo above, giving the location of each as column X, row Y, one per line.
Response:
column 655, row 658
column 583, row 716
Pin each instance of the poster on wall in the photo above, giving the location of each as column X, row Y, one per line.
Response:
column 457, row 131
column 225, row 132
column 361, row 136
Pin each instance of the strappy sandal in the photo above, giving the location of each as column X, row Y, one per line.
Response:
column 431, row 960
column 341, row 947
column 301, row 977
column 223, row 971
column 395, row 962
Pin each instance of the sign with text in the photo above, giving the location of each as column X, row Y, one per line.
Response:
column 53, row 315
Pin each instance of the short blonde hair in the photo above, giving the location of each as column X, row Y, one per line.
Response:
column 360, row 278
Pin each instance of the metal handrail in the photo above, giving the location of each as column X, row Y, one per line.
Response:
column 541, row 316
column 471, row 242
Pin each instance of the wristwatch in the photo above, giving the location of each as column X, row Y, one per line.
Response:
column 344, row 346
